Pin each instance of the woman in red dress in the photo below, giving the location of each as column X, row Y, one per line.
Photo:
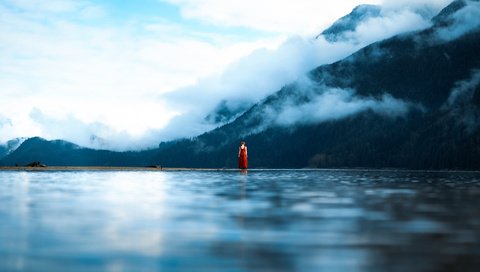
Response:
column 242, row 156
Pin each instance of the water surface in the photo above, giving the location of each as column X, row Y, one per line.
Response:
column 272, row 220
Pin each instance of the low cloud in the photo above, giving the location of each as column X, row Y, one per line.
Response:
column 464, row 90
column 461, row 104
column 248, row 81
column 313, row 103
column 336, row 104
column 266, row 71
column 463, row 21
column 93, row 135
column 389, row 23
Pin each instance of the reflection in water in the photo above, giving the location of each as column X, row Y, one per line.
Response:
column 264, row 220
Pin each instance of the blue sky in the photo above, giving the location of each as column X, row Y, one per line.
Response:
column 75, row 68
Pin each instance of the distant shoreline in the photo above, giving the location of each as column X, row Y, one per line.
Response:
column 166, row 169
column 107, row 168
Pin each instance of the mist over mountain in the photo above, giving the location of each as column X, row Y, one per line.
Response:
column 10, row 146
column 213, row 99
column 63, row 153
column 220, row 99
column 350, row 22
column 410, row 101
column 446, row 16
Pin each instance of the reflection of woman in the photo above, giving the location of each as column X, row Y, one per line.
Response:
column 242, row 156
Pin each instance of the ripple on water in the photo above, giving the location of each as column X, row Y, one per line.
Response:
column 302, row 220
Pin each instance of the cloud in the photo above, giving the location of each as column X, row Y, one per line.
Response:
column 138, row 81
column 51, row 6
column 313, row 103
column 83, row 10
column 430, row 6
column 464, row 90
column 5, row 121
column 93, row 135
column 55, row 60
column 266, row 71
column 249, row 80
column 14, row 125
column 336, row 104
column 389, row 24
column 280, row 16
column 464, row 21
column 461, row 104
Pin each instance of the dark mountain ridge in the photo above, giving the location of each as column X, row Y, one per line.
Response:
column 444, row 18
column 63, row 153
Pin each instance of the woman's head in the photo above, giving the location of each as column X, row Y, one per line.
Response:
column 242, row 143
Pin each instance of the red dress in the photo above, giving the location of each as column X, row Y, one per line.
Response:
column 242, row 158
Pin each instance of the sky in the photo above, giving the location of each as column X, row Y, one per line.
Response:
column 126, row 75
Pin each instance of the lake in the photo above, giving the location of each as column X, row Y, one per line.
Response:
column 263, row 220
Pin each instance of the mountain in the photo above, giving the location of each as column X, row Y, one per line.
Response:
column 10, row 146
column 411, row 101
column 225, row 111
column 421, row 73
column 445, row 17
column 63, row 153
column 338, row 30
